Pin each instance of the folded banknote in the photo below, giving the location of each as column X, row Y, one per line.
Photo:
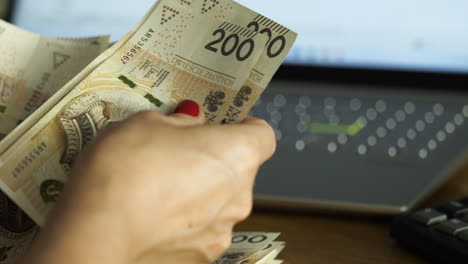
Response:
column 217, row 53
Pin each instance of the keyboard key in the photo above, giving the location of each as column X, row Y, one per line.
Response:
column 463, row 235
column 362, row 150
column 411, row 134
column 392, row 152
column 410, row 108
column 330, row 102
column 279, row 134
column 432, row 144
column 372, row 141
column 458, row 119
column 402, row 143
column 332, row 147
column 276, row 116
column 465, row 111
column 371, row 114
column 429, row 217
column 441, row 136
column 420, row 125
column 423, row 153
column 381, row 106
column 381, row 132
column 452, row 226
column 270, row 107
column 463, row 217
column 453, row 208
column 362, row 121
column 343, row 139
column 429, row 117
column 300, row 145
column 391, row 124
column 438, row 109
column 450, row 127
column 400, row 116
column 305, row 101
column 280, row 100
column 355, row 104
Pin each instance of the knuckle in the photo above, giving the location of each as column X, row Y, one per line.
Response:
column 268, row 129
column 245, row 204
column 220, row 241
column 260, row 145
column 247, row 146
column 223, row 243
column 245, row 209
column 261, row 122
column 145, row 121
column 270, row 134
column 148, row 115
column 239, row 209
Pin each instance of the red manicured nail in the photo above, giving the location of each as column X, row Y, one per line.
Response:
column 188, row 107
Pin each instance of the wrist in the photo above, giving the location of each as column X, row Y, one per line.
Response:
column 78, row 235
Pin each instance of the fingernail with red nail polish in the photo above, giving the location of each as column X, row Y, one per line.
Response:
column 188, row 107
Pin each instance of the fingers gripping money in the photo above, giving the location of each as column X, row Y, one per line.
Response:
column 216, row 53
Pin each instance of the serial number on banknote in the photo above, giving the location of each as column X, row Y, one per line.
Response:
column 137, row 47
column 28, row 159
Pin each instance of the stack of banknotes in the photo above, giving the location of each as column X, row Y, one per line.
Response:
column 56, row 94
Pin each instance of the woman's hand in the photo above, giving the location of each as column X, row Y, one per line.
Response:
column 156, row 189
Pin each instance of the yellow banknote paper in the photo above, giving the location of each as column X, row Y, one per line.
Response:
column 16, row 231
column 206, row 51
column 279, row 41
column 34, row 67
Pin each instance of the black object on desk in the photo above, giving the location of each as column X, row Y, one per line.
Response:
column 439, row 234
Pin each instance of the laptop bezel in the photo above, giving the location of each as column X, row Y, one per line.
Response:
column 11, row 5
column 395, row 78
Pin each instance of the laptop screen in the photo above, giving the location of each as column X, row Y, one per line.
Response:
column 416, row 35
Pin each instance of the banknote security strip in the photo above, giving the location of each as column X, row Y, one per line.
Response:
column 217, row 53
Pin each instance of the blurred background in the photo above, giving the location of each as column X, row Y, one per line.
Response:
column 416, row 35
column 4, row 8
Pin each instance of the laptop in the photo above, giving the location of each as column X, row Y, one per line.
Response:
column 370, row 108
column 4, row 9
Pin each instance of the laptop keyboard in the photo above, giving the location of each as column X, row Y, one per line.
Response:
column 386, row 128
column 376, row 147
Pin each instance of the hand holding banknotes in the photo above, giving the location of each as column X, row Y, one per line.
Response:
column 156, row 189
column 154, row 186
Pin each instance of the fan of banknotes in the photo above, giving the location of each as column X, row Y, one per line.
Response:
column 56, row 94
